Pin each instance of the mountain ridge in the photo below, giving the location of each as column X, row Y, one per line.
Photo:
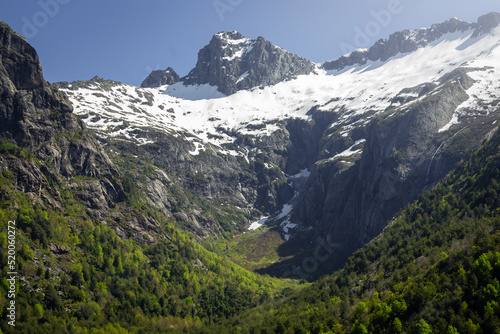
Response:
column 338, row 106
column 400, row 42
column 410, row 40
column 226, row 46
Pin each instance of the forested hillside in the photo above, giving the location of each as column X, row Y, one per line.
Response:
column 76, row 274
column 434, row 269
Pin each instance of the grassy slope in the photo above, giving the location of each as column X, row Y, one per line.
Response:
column 256, row 249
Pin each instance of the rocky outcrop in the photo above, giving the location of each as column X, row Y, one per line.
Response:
column 486, row 23
column 160, row 78
column 38, row 119
column 232, row 63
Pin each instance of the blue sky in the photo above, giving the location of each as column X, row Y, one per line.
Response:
column 124, row 40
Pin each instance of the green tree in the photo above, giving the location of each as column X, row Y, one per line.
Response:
column 52, row 299
column 483, row 265
column 38, row 311
column 423, row 327
column 359, row 328
column 397, row 326
column 472, row 327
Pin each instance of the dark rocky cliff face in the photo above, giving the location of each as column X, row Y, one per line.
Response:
column 33, row 112
column 404, row 155
column 232, row 62
column 249, row 188
column 66, row 157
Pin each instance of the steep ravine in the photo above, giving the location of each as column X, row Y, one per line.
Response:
column 348, row 201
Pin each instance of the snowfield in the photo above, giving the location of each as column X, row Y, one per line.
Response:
column 203, row 111
column 204, row 116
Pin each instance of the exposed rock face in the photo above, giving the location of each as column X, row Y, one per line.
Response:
column 259, row 184
column 159, row 78
column 486, row 23
column 404, row 155
column 38, row 118
column 19, row 60
column 232, row 63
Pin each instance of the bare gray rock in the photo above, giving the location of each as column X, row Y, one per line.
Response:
column 232, row 63
column 159, row 78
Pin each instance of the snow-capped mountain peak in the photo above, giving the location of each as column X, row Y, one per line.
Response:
column 234, row 45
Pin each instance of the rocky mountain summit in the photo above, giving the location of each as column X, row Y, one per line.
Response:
column 233, row 63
